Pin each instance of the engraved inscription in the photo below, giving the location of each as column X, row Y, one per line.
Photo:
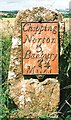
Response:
column 40, row 48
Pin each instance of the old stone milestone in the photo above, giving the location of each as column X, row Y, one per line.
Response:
column 35, row 53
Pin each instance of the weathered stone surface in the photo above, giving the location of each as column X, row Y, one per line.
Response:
column 29, row 94
column 34, row 97
column 37, row 14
